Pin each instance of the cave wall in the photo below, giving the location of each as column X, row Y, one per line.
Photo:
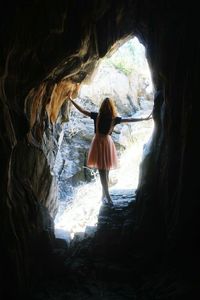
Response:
column 48, row 45
column 167, row 192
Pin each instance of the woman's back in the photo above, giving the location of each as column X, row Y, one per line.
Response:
column 104, row 123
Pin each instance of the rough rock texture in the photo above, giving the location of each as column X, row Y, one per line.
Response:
column 109, row 82
column 45, row 47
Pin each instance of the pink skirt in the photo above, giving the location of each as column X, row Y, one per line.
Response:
column 102, row 153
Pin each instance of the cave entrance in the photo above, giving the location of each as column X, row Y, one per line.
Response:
column 125, row 76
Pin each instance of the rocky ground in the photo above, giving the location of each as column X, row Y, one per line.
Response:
column 91, row 267
column 104, row 264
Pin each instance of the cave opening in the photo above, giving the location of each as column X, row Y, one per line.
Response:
column 79, row 186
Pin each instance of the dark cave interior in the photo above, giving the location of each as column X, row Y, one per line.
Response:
column 47, row 47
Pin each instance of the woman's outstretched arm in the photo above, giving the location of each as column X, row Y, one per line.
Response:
column 83, row 111
column 128, row 120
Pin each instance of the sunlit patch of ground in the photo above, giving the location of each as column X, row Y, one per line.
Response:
column 83, row 211
column 127, row 175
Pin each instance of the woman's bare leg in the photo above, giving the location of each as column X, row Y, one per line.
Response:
column 104, row 182
column 107, row 177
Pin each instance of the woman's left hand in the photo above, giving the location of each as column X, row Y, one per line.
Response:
column 69, row 95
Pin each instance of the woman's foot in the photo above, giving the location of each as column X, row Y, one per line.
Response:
column 103, row 200
column 107, row 202
column 110, row 203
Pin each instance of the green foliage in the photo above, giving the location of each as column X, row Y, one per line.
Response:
column 127, row 59
column 122, row 65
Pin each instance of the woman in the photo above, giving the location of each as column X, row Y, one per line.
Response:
column 102, row 154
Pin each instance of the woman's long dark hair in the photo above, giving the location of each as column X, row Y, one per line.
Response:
column 107, row 114
column 108, row 108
